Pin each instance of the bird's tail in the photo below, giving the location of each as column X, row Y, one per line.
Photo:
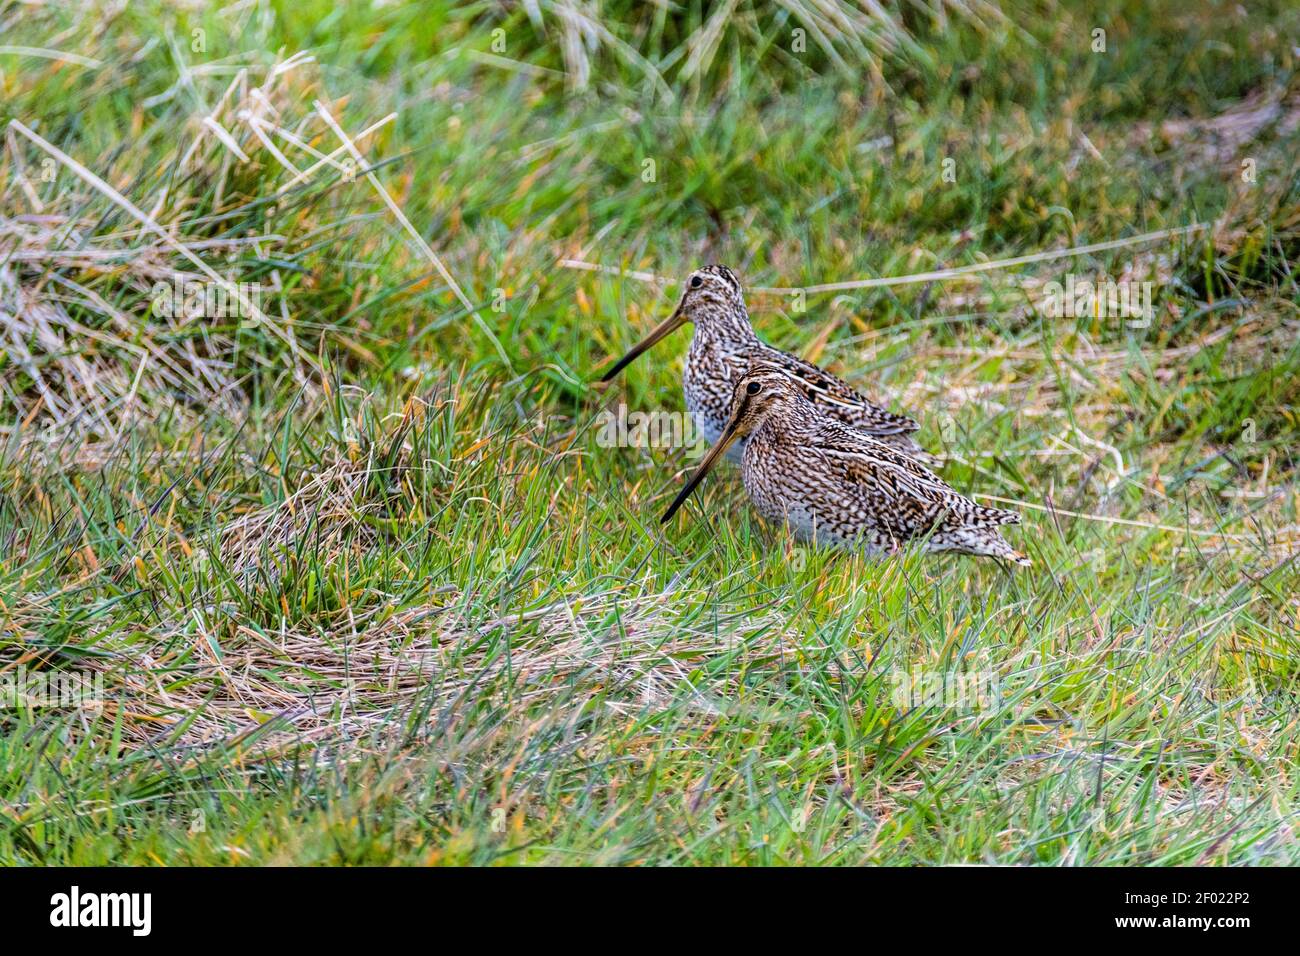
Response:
column 983, row 515
column 980, row 541
column 973, row 529
column 958, row 511
column 998, row 548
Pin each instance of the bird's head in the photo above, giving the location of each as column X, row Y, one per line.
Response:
column 710, row 294
column 765, row 388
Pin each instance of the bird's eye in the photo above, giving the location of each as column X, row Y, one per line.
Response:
column 752, row 388
column 696, row 282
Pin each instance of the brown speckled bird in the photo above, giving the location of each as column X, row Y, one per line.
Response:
column 836, row 485
column 725, row 344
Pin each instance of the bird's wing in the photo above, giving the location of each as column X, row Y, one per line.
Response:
column 919, row 495
column 863, row 461
column 837, row 397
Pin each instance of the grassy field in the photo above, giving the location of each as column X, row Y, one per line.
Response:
column 351, row 576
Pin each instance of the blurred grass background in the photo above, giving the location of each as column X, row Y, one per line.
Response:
column 364, row 587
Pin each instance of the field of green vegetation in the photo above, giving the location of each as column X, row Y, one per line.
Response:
column 304, row 498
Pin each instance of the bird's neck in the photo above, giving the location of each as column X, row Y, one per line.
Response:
column 724, row 325
column 791, row 420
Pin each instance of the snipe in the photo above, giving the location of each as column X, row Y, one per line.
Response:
column 836, row 485
column 725, row 344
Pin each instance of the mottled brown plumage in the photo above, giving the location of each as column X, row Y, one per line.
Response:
column 835, row 485
column 725, row 344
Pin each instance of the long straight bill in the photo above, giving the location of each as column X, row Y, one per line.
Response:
column 716, row 452
column 671, row 324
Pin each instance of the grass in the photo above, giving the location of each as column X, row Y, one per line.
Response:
column 362, row 583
